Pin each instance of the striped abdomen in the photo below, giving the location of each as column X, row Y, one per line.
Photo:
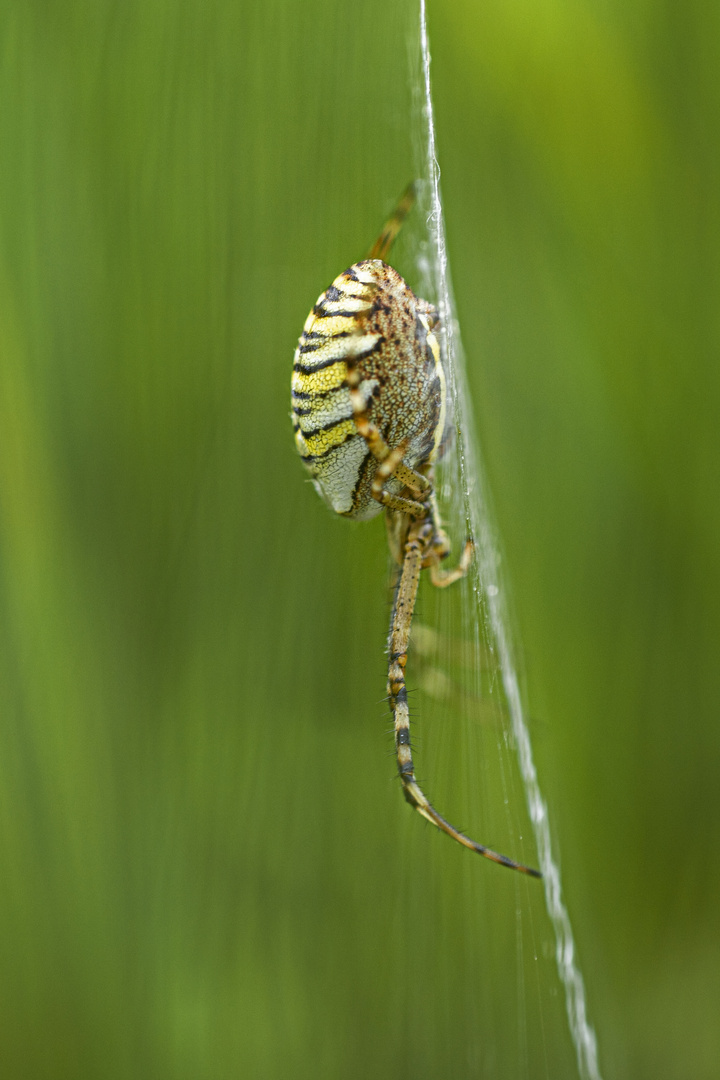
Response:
column 371, row 321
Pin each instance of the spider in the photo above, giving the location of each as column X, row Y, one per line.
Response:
column 370, row 415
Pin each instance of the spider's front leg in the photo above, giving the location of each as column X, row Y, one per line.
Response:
column 384, row 242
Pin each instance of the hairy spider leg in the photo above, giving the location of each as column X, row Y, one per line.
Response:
column 425, row 545
column 420, row 539
column 385, row 240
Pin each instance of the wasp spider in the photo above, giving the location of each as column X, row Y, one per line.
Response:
column 370, row 414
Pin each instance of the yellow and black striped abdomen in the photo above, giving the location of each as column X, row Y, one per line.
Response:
column 371, row 321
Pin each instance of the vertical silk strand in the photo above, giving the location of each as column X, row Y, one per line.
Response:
column 475, row 507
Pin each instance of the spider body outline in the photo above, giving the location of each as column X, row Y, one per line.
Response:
column 370, row 415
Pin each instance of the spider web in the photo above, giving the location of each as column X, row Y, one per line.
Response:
column 486, row 611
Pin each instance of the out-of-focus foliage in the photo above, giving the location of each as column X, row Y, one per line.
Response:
column 207, row 870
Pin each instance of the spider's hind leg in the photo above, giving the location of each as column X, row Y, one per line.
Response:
column 420, row 536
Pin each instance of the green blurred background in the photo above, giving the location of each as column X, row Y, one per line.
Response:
column 207, row 868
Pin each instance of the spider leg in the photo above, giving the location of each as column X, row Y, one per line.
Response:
column 442, row 578
column 439, row 549
column 420, row 536
column 391, row 465
column 384, row 242
column 390, row 462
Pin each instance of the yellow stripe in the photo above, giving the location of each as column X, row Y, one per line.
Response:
column 363, row 285
column 348, row 302
column 364, row 277
column 332, row 325
column 318, row 382
column 326, row 440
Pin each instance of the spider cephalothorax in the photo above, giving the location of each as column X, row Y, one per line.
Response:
column 371, row 417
